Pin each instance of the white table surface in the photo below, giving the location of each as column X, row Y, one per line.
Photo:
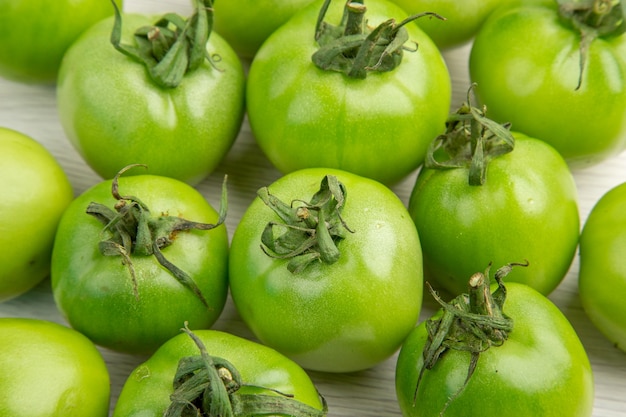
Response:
column 32, row 110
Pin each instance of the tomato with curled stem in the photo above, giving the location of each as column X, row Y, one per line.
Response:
column 136, row 256
column 325, row 267
column 494, row 351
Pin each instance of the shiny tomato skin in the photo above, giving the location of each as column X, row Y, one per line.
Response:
column 246, row 24
column 340, row 317
column 527, row 209
column 146, row 392
column 95, row 292
column 378, row 127
column 542, row 369
column 117, row 115
column 526, row 62
column 34, row 35
column 602, row 275
column 50, row 370
column 35, row 192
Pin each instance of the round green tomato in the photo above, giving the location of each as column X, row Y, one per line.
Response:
column 540, row 370
column 117, row 115
column 134, row 303
column 463, row 18
column 34, row 35
column 602, row 277
column 526, row 62
column 35, row 192
column 147, row 390
column 245, row 24
column 378, row 126
column 337, row 317
column 526, row 209
column 49, row 370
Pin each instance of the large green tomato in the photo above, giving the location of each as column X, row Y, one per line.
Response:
column 49, row 370
column 463, row 18
column 148, row 390
column 122, row 285
column 531, row 71
column 525, row 209
column 336, row 307
column 528, row 363
column 34, row 34
column 35, row 192
column 116, row 114
column 602, row 278
column 246, row 24
column 373, row 123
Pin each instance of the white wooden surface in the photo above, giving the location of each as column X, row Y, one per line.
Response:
column 32, row 110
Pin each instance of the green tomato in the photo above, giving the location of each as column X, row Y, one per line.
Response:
column 303, row 116
column 246, row 24
column 119, row 115
column 602, row 277
column 111, row 284
column 346, row 306
column 539, row 369
column 34, row 35
column 35, row 192
column 463, row 18
column 147, row 390
column 526, row 209
column 49, row 370
column 526, row 61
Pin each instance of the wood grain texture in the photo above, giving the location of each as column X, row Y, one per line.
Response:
column 31, row 110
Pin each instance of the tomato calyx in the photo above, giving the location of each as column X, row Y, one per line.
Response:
column 593, row 19
column 310, row 230
column 470, row 140
column 354, row 48
column 132, row 230
column 206, row 385
column 172, row 47
column 472, row 322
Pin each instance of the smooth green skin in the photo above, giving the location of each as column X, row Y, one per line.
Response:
column 542, row 369
column 95, row 292
column 526, row 210
column 602, row 276
column 34, row 35
column 115, row 115
column 35, row 192
column 463, row 18
column 378, row 127
column 49, row 370
column 147, row 390
column 526, row 63
column 342, row 317
column 246, row 24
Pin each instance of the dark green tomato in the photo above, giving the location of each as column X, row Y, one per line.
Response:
column 34, row 35
column 540, row 370
column 96, row 293
column 245, row 24
column 526, row 209
column 49, row 370
column 463, row 18
column 338, row 317
column 147, row 390
column 378, row 127
column 602, row 279
column 526, row 62
column 117, row 115
column 35, row 192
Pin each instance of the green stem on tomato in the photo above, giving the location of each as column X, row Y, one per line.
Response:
column 354, row 48
column 471, row 140
column 206, row 385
